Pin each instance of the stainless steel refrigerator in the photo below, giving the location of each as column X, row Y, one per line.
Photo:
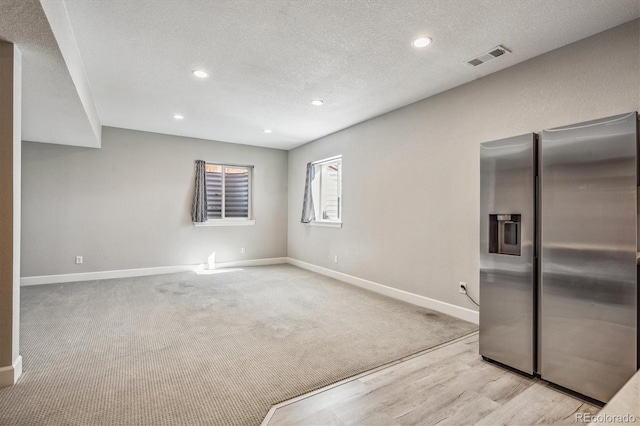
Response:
column 558, row 254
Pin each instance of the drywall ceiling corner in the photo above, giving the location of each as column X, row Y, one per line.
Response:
column 56, row 13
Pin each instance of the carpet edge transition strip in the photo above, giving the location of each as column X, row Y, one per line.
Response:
column 272, row 410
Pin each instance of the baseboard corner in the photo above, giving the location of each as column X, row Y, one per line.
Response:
column 415, row 299
column 9, row 375
column 253, row 262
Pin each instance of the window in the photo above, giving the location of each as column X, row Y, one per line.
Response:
column 326, row 188
column 228, row 193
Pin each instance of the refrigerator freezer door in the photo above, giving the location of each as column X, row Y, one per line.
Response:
column 507, row 276
column 588, row 255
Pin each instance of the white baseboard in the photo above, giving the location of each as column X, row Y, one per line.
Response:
column 103, row 275
column 405, row 296
column 425, row 302
column 254, row 262
column 9, row 375
column 139, row 272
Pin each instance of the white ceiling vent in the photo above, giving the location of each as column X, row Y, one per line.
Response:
column 488, row 55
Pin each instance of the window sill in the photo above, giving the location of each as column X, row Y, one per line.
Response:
column 223, row 222
column 325, row 224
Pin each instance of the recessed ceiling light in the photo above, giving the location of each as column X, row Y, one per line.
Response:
column 267, row 130
column 317, row 102
column 421, row 42
column 200, row 74
column 178, row 117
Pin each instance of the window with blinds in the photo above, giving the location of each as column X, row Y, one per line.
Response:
column 326, row 188
column 228, row 191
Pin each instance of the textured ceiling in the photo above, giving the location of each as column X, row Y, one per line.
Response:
column 51, row 107
column 268, row 59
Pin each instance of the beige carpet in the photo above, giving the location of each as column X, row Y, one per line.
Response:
column 202, row 349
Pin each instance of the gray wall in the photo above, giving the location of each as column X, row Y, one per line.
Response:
column 410, row 179
column 128, row 204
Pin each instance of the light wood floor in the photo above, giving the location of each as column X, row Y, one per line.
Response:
column 450, row 385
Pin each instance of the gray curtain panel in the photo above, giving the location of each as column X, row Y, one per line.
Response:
column 308, row 211
column 199, row 206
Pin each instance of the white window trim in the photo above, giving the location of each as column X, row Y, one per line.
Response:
column 329, row 223
column 325, row 224
column 327, row 160
column 238, row 221
column 226, row 222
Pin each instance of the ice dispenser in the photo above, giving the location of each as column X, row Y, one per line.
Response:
column 504, row 234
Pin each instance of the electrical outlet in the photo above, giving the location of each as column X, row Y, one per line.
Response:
column 78, row 260
column 335, row 259
column 463, row 287
column 243, row 250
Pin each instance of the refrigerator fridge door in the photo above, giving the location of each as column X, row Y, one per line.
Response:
column 588, row 178
column 507, row 274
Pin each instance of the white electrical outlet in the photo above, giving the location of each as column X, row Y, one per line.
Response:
column 335, row 259
column 463, row 287
column 243, row 250
column 78, row 260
